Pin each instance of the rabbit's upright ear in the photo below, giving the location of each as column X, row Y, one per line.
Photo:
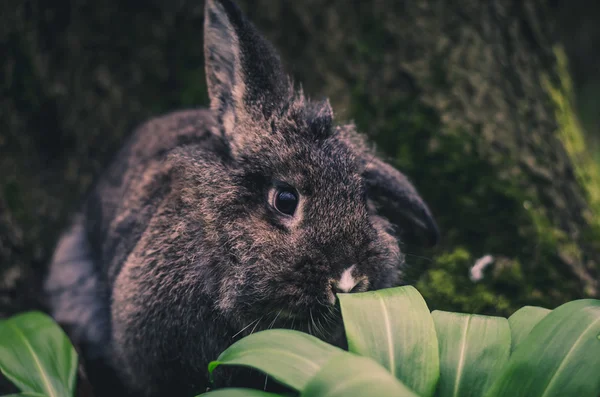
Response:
column 244, row 73
column 398, row 200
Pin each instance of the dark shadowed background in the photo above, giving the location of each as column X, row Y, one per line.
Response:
column 492, row 108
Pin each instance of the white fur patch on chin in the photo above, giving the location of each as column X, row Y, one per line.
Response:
column 347, row 281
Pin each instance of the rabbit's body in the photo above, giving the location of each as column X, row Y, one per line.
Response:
column 211, row 224
column 131, row 196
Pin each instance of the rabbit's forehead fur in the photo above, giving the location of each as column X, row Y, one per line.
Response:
column 303, row 146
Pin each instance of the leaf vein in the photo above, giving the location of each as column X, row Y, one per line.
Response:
column 45, row 379
column 390, row 340
column 461, row 360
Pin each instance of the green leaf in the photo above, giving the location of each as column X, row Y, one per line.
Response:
column 290, row 357
column 37, row 356
column 229, row 392
column 395, row 328
column 349, row 375
column 473, row 349
column 522, row 322
column 559, row 357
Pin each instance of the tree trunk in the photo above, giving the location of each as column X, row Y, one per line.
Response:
column 470, row 98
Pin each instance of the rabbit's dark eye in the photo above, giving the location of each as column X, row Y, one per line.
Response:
column 286, row 201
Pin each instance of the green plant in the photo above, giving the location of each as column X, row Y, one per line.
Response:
column 396, row 348
column 37, row 356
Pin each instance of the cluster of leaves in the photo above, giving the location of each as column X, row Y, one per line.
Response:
column 396, row 348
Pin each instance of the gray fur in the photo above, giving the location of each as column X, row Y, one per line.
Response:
column 177, row 249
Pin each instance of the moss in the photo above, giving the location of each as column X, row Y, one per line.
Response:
column 478, row 210
column 445, row 289
column 571, row 133
column 586, row 168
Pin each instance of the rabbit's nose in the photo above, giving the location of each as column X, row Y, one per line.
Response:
column 349, row 282
column 346, row 282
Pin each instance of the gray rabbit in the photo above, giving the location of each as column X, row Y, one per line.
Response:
column 212, row 224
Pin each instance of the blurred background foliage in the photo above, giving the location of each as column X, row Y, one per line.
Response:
column 491, row 108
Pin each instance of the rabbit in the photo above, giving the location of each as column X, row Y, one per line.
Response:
column 211, row 224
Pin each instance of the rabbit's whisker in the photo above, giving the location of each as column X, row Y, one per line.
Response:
column 312, row 320
column 418, row 256
column 258, row 322
column 243, row 329
column 275, row 319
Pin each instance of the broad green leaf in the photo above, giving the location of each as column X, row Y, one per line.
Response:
column 522, row 322
column 473, row 349
column 394, row 327
column 227, row 392
column 559, row 357
column 290, row 357
column 37, row 356
column 349, row 375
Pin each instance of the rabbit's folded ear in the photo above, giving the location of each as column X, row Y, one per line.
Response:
column 244, row 74
column 398, row 200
